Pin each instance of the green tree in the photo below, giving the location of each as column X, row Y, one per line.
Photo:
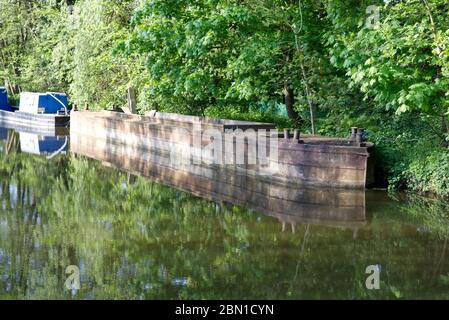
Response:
column 401, row 63
column 99, row 77
column 207, row 53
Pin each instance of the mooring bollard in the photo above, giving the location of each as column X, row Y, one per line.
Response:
column 360, row 137
column 354, row 131
column 297, row 134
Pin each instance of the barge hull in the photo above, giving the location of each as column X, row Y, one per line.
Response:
column 317, row 163
column 38, row 121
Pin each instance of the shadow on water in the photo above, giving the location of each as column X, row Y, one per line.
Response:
column 140, row 226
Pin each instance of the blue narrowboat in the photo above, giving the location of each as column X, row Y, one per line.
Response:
column 4, row 103
column 37, row 110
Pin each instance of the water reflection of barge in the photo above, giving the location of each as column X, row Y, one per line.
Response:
column 49, row 142
column 341, row 208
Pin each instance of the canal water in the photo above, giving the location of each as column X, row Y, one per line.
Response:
column 136, row 231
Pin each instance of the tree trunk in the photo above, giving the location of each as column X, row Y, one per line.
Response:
column 132, row 100
column 312, row 107
column 445, row 129
column 289, row 99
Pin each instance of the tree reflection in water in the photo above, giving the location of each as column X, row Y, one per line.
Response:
column 136, row 239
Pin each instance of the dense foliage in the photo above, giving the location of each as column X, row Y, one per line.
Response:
column 322, row 65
